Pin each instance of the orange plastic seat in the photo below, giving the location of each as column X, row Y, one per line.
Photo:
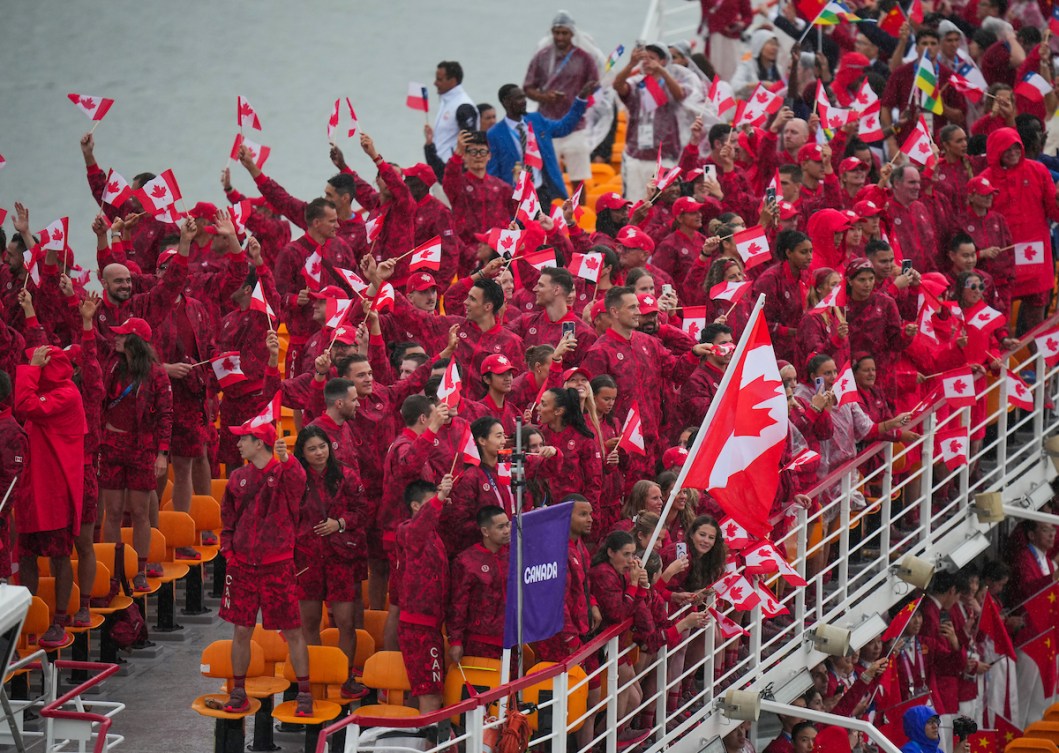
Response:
column 216, row 661
column 577, row 699
column 206, row 512
column 159, row 552
column 38, row 620
column 1031, row 745
column 482, row 674
column 101, row 588
column 365, row 644
column 327, row 666
column 375, row 625
column 1044, row 730
column 385, row 670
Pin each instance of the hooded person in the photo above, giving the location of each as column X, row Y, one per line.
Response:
column 763, row 65
column 1027, row 201
column 832, row 740
column 49, row 405
column 851, row 68
column 922, row 728
column 826, row 229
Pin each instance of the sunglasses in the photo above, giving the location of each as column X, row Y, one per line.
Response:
column 974, row 286
column 477, row 152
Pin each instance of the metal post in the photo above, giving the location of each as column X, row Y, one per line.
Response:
column 518, row 478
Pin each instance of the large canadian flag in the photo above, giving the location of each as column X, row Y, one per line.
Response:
column 737, row 452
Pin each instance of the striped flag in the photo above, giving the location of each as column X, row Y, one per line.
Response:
column 927, row 82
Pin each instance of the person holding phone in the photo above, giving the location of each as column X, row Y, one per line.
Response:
column 552, row 319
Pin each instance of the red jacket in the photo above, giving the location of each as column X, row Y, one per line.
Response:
column 14, row 460
column 318, row 503
column 478, row 204
column 476, row 609
column 407, row 460
column 351, row 231
column 784, row 305
column 579, row 466
column 398, row 223
column 423, row 567
column 290, row 281
column 259, row 512
column 152, row 405
column 536, row 328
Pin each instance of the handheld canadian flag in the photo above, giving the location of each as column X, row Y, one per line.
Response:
column 227, row 369
column 94, row 108
column 720, row 95
column 737, row 451
column 3, row 215
column 337, row 311
column 417, row 97
column 259, row 303
column 986, row 320
column 540, row 260
column 426, row 255
column 694, row 321
column 728, row 627
column 161, row 192
column 1019, row 393
column 385, row 299
column 353, row 122
column 736, row 537
column 763, row 558
column 917, row 145
column 729, row 291
column 951, row 446
column 117, row 191
column 632, row 440
column 373, row 227
column 170, row 214
column 845, row 387
column 802, row 459
column 532, row 155
column 525, row 194
column 837, row 297
column 55, row 236
column 258, row 153
column 31, row 259
column 1048, row 346
column 469, row 448
column 870, row 128
column 270, row 414
column 737, row 591
column 507, row 241
column 245, row 114
column 1028, row 254
column 332, row 122
column 355, row 281
column 3, row 162
column 240, row 214
column 755, row 111
column 770, row 605
column 586, row 266
column 752, row 245
column 957, row 387
column 559, row 220
column 313, row 270
column 451, row 386
column 503, row 474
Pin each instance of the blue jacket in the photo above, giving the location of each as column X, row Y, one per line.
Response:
column 505, row 152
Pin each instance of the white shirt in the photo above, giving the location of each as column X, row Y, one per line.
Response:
column 445, row 128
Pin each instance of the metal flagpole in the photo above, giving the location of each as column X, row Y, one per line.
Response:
column 518, row 481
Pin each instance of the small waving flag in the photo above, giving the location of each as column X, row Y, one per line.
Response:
column 259, row 303
column 451, row 386
column 258, row 153
column 270, row 414
column 426, row 255
column 532, row 156
column 469, row 448
column 1028, row 254
column 694, row 321
column 227, row 369
column 313, row 270
column 385, row 299
column 951, row 447
column 729, row 291
column 720, row 94
column 240, row 214
column 245, row 114
column 3, row 162
column 55, row 237
column 900, row 621
column 753, row 246
column 736, row 537
column 729, row 628
column 117, row 190
column 770, row 605
column 1048, row 345
column 845, row 387
column 613, row 58
column 737, row 591
column 541, row 260
column 353, row 122
column 1034, row 87
column 957, row 387
column 94, row 108
column 355, row 281
column 1018, row 391
column 632, row 440
column 837, row 297
column 337, row 311
column 417, row 97
column 986, row 320
column 927, row 82
column 158, row 194
column 373, row 227
column 586, row 266
column 332, row 122
column 917, row 145
column 763, row 558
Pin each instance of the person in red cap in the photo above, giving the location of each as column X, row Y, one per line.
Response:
column 474, row 620
column 634, row 249
column 479, row 201
column 696, row 394
column 820, row 187
column 48, row 510
column 989, row 231
column 612, row 214
column 553, row 318
column 340, row 190
column 852, row 175
column 137, row 427
column 259, row 517
column 498, row 375
column 786, row 286
column 678, row 250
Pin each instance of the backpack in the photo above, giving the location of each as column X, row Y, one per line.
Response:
column 127, row 626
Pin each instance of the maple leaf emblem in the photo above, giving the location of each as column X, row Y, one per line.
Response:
column 758, row 417
column 315, row 269
column 735, row 593
column 959, row 386
column 923, row 147
column 730, row 531
column 88, row 102
column 246, row 109
column 228, row 365
column 693, row 330
column 506, row 243
column 159, row 191
column 955, row 447
column 1052, row 344
column 1020, row 388
column 501, row 359
column 869, row 122
column 862, row 98
column 1029, row 252
column 984, row 316
column 648, row 300
column 592, row 262
column 762, row 97
column 112, row 187
column 844, row 384
column 835, row 121
column 753, row 249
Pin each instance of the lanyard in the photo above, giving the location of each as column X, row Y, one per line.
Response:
column 555, row 73
column 124, row 394
column 507, row 505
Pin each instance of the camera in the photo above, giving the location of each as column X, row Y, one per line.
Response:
column 963, row 727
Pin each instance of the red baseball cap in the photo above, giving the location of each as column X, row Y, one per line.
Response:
column 787, row 210
column 331, row 291
column 810, row 153
column 569, row 374
column 648, row 303
column 693, row 175
column 421, row 171
column 674, row 457
column 980, row 185
column 497, row 363
column 598, row 309
column 165, row 256
column 346, row 335
column 420, row 281
column 631, row 236
column 851, row 163
column 611, row 201
column 204, row 210
column 865, row 209
column 686, row 204
column 853, row 217
column 134, row 326
column 265, row 432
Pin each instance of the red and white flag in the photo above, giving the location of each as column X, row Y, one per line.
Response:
column 3, row 215
column 652, row 94
column 728, row 627
column 837, row 297
column 1029, row 254
column 226, row 368
column 117, row 190
column 258, row 153
column 737, row 591
column 870, row 128
column 240, row 214
column 866, row 97
column 31, row 259
column 332, row 121
column 823, row 104
column 632, row 440
column 986, row 320
column 270, row 414
column 170, row 214
column 802, row 459
column 355, row 281
column 337, row 311
column 245, row 114
column 756, row 110
column 503, row 474
column 258, row 302
column 586, row 266
column 353, row 122
column 1033, row 86
column 426, row 255
column 957, row 387
column 770, row 605
column 94, row 108
column 694, row 321
column 764, row 557
column 532, row 155
column 1019, row 393
column 385, row 299
column 1048, row 345
column 917, row 145
column 313, row 270
column 720, row 95
column 951, row 446
column 525, row 194
column 736, row 537
column 845, row 387
column 417, row 97
column 55, row 237
column 3, row 162
column 559, row 220
column 507, row 241
column 373, row 227
column 540, row 260
column 451, row 386
column 840, row 116
column 468, row 447
column 730, row 291
column 753, row 246
column 738, row 448
column 155, row 195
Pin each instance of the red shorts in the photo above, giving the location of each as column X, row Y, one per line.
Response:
column 248, row 588
column 188, row 440
column 90, row 500
column 423, row 652
column 57, row 543
column 323, row 578
column 125, row 463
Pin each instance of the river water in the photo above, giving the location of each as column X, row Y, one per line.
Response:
column 175, row 69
